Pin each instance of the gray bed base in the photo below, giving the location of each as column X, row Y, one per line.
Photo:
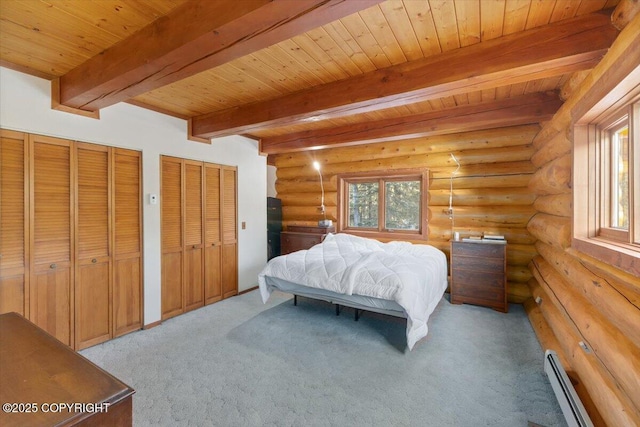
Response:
column 357, row 302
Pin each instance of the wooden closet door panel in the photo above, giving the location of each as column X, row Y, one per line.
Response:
column 92, row 290
column 193, row 227
column 127, row 263
column 51, row 302
column 172, row 242
column 52, row 236
column 213, row 278
column 92, row 305
column 229, row 233
column 194, row 285
column 212, row 241
column 229, row 270
column 127, row 295
column 171, row 285
column 14, row 222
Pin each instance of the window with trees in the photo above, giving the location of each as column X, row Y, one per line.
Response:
column 606, row 181
column 384, row 205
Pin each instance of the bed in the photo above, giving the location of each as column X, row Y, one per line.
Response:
column 396, row 278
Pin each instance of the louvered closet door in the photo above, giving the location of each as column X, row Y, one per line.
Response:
column 51, row 236
column 171, row 205
column 13, row 222
column 229, row 233
column 212, row 240
column 127, row 241
column 193, row 235
column 93, row 262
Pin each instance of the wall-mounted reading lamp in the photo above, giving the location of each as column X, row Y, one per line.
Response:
column 323, row 222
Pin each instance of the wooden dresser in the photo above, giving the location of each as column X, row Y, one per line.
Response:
column 478, row 274
column 44, row 383
column 301, row 237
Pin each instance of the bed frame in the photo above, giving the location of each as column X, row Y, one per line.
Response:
column 357, row 302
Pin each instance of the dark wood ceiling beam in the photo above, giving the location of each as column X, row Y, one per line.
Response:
column 559, row 48
column 195, row 37
column 533, row 108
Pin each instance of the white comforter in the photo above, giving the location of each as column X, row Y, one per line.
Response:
column 415, row 276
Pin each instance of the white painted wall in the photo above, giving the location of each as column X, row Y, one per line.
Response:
column 271, row 181
column 25, row 106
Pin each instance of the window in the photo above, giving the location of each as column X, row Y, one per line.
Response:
column 386, row 205
column 606, row 181
column 615, row 210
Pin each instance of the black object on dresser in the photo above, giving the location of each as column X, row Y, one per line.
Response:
column 274, row 226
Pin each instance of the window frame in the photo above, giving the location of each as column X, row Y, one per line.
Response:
column 421, row 175
column 616, row 247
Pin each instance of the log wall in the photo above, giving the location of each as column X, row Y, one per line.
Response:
column 582, row 299
column 490, row 189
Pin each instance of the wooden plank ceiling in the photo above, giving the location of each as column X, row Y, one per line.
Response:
column 301, row 74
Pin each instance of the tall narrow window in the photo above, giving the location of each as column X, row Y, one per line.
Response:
column 615, row 180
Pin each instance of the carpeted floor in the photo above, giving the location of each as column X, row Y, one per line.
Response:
column 241, row 363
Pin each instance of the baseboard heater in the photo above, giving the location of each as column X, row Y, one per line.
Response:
column 570, row 403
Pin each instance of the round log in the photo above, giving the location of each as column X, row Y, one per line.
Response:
column 490, row 138
column 551, row 229
column 307, row 213
column 617, row 353
column 625, row 283
column 624, row 13
column 517, row 293
column 519, row 274
column 425, row 161
column 509, row 181
column 614, row 406
column 553, row 178
column 555, row 204
column 313, row 199
column 549, row 341
column 556, row 147
column 306, row 185
column 612, row 304
column 483, row 197
column 484, row 217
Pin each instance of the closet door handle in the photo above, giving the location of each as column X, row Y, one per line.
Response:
column 94, row 260
column 194, row 247
column 52, row 266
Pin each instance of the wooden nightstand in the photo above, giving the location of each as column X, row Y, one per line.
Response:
column 478, row 274
column 300, row 237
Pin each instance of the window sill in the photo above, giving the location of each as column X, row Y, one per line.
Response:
column 623, row 256
column 396, row 235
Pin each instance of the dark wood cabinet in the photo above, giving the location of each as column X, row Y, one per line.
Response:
column 478, row 274
column 301, row 237
column 40, row 375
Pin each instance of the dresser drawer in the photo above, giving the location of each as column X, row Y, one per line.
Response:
column 489, row 265
column 484, row 250
column 291, row 242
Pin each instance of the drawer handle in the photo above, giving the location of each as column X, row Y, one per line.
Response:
column 94, row 260
column 52, row 266
column 213, row 244
column 194, row 247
